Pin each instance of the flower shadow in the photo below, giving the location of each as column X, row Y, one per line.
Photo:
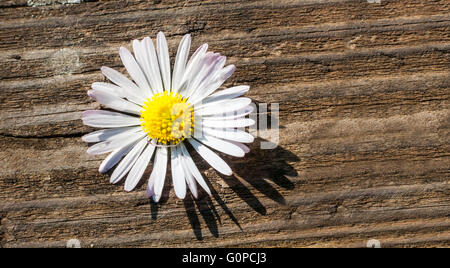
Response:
column 260, row 167
column 257, row 170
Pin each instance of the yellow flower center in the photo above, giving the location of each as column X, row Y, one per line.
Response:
column 167, row 118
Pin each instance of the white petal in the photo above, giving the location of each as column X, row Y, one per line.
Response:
column 229, row 93
column 139, row 167
column 114, row 102
column 163, row 59
column 209, row 75
column 128, row 89
column 113, row 89
column 118, row 78
column 200, row 71
column 222, row 76
column 196, row 57
column 231, row 115
column 242, row 146
column 192, row 63
column 156, row 181
column 134, row 70
column 213, row 63
column 150, row 190
column 230, row 134
column 222, row 107
column 110, row 145
column 107, row 119
column 223, row 146
column 180, row 62
column 128, row 161
column 241, row 122
column 190, row 181
column 189, row 163
column 155, row 74
column 178, row 176
column 195, row 71
column 108, row 134
column 151, row 69
column 140, row 54
column 225, row 73
column 211, row 157
column 115, row 156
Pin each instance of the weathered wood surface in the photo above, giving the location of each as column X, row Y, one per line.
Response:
column 364, row 148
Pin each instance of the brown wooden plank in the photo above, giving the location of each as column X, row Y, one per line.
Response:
column 364, row 148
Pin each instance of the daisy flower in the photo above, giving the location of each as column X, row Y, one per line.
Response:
column 160, row 112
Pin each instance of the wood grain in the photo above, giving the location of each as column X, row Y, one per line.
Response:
column 364, row 152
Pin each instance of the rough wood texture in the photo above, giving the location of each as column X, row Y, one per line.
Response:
column 364, row 150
